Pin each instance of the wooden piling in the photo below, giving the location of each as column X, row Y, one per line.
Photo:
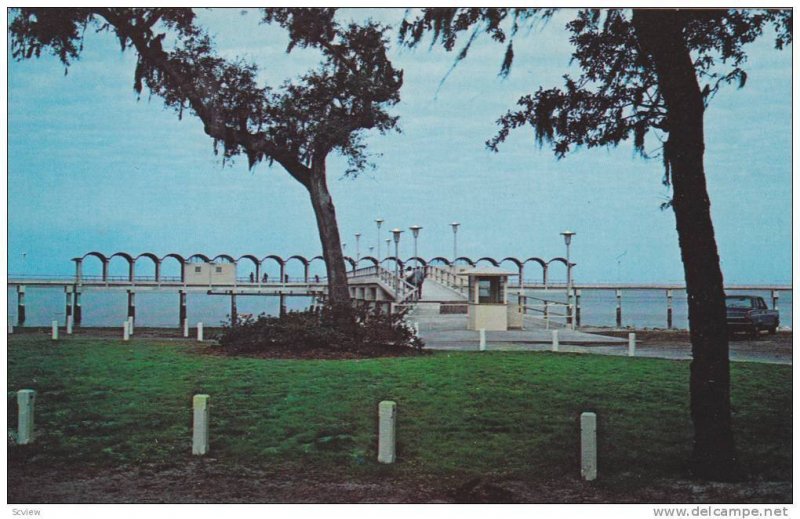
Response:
column 132, row 304
column 77, row 309
column 182, row 308
column 21, row 306
column 669, row 309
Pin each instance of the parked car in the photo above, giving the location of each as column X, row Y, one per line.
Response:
column 750, row 314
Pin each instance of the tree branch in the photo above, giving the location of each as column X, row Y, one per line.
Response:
column 150, row 51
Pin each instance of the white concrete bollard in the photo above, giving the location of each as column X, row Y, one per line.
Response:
column 25, row 402
column 69, row 325
column 589, row 446
column 200, row 332
column 186, row 328
column 54, row 332
column 631, row 344
column 200, row 425
column 387, row 417
column 130, row 325
column 125, row 331
column 482, row 346
column 555, row 340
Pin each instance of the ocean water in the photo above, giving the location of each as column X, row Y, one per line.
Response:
column 640, row 308
column 648, row 308
column 153, row 309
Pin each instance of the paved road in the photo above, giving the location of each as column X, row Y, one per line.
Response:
column 448, row 332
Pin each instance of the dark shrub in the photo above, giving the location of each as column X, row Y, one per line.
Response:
column 340, row 328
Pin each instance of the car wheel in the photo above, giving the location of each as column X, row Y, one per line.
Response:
column 773, row 329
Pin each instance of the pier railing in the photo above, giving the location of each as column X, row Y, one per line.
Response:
column 403, row 290
column 447, row 277
column 569, row 307
column 550, row 312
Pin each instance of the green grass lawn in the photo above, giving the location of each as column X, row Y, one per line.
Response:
column 104, row 403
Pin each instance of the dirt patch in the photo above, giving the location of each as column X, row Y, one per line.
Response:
column 209, row 481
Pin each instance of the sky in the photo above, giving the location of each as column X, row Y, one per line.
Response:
column 92, row 167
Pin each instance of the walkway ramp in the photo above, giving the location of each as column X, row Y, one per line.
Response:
column 433, row 291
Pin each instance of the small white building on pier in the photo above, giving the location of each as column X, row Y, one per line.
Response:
column 210, row 273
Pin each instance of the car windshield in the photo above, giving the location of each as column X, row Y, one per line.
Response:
column 738, row 302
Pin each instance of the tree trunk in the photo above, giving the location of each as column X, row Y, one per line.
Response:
column 660, row 35
column 338, row 290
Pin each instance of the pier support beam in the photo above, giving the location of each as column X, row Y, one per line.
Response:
column 619, row 308
column 132, row 305
column 569, row 307
column 578, row 308
column 69, row 296
column 77, row 310
column 234, row 311
column 282, row 303
column 774, row 299
column 182, row 308
column 669, row 309
column 21, row 305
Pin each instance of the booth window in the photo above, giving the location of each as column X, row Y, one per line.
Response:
column 489, row 290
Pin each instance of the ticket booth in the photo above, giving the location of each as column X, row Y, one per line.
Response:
column 488, row 306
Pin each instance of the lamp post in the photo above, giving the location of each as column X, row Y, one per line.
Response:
column 415, row 231
column 358, row 253
column 379, row 221
column 396, row 233
column 567, row 240
column 455, row 225
column 388, row 246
